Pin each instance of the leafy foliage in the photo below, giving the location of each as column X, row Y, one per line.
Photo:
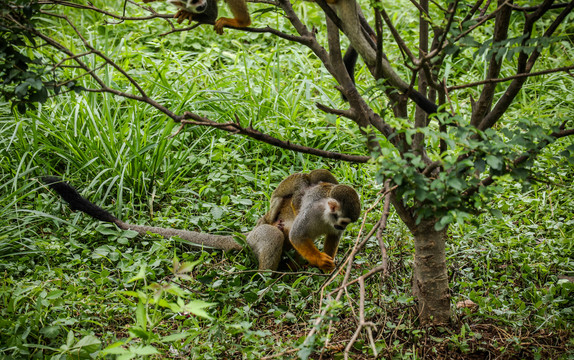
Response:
column 457, row 191
column 27, row 78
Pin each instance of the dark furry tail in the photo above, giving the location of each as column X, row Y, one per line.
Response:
column 350, row 60
column 77, row 201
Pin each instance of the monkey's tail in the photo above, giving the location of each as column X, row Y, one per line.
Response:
column 80, row 203
column 350, row 60
column 77, row 201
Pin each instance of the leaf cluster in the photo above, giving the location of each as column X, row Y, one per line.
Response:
column 26, row 77
column 459, row 190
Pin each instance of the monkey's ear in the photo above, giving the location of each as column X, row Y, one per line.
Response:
column 177, row 3
column 333, row 205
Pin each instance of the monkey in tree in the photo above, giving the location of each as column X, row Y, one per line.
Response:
column 206, row 11
column 327, row 207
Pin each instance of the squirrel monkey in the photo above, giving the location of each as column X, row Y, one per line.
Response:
column 206, row 11
column 324, row 209
column 295, row 183
column 266, row 241
column 306, row 206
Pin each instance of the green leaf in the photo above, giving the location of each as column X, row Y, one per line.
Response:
column 184, row 267
column 70, row 339
column 106, row 230
column 494, row 162
column 480, row 165
column 443, row 222
column 50, row 332
column 127, row 356
column 116, row 349
column 245, row 201
column 130, row 234
column 55, row 294
column 496, row 213
column 197, row 307
column 145, row 350
column 140, row 275
column 455, row 183
column 216, row 212
column 175, row 337
column 87, row 345
column 101, row 252
column 21, row 90
column 420, row 194
column 140, row 333
column 141, row 318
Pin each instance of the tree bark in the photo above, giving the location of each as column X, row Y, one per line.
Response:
column 430, row 278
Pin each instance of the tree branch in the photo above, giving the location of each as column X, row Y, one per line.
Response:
column 499, row 80
column 236, row 128
column 233, row 128
column 484, row 103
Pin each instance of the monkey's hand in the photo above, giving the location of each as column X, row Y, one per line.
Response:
column 325, row 262
column 219, row 24
column 235, row 22
column 182, row 15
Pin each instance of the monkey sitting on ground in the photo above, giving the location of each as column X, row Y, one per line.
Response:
column 308, row 209
column 306, row 206
column 206, row 11
column 295, row 183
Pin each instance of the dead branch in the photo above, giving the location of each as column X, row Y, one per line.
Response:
column 348, row 265
column 525, row 63
column 383, row 221
column 509, row 78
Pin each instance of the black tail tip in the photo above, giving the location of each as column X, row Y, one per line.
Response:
column 50, row 180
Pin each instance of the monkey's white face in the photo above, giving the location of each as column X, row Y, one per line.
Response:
column 335, row 216
column 192, row 6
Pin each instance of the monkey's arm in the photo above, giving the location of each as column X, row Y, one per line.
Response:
column 240, row 13
column 331, row 244
column 306, row 248
column 306, row 228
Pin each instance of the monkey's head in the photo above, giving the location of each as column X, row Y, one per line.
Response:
column 192, row 6
column 322, row 175
column 343, row 206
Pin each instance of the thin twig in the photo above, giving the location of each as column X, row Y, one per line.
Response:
column 509, row 78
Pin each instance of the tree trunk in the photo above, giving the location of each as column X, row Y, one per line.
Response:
column 430, row 278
